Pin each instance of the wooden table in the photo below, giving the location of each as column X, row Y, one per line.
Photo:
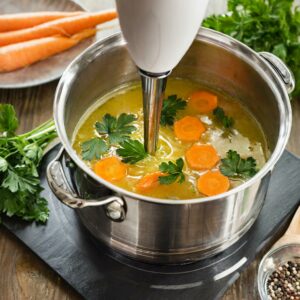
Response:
column 23, row 275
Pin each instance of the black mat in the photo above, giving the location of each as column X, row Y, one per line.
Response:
column 97, row 273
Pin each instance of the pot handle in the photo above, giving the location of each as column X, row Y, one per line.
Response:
column 281, row 69
column 114, row 206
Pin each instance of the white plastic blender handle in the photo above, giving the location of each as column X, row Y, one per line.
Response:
column 159, row 32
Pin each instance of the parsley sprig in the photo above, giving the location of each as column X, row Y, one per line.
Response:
column 132, row 151
column 20, row 156
column 272, row 26
column 226, row 121
column 93, row 149
column 117, row 129
column 173, row 170
column 235, row 167
column 170, row 107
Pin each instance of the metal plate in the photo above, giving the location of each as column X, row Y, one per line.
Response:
column 53, row 67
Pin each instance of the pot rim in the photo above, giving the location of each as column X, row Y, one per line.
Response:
column 269, row 75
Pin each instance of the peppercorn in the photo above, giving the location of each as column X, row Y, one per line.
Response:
column 284, row 282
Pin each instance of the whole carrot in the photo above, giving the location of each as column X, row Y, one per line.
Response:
column 20, row 55
column 66, row 26
column 9, row 22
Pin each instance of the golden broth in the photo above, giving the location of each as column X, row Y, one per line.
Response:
column 247, row 138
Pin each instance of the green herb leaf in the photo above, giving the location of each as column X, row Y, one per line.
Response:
column 93, row 149
column 220, row 115
column 3, row 164
column 169, row 109
column 20, row 156
column 236, row 167
column 132, row 151
column 174, row 171
column 8, row 119
column 117, row 129
column 272, row 26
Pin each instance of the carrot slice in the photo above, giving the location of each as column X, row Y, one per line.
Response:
column 201, row 157
column 213, row 183
column 18, row 21
column 110, row 169
column 203, row 102
column 188, row 129
column 64, row 26
column 20, row 55
column 148, row 182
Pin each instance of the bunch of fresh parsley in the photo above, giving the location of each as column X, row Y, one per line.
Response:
column 264, row 25
column 20, row 156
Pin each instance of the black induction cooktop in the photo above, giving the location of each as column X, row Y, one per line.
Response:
column 99, row 273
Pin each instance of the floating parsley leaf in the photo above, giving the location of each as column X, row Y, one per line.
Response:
column 8, row 119
column 132, row 151
column 174, row 171
column 169, row 109
column 93, row 149
column 220, row 115
column 236, row 167
column 117, row 129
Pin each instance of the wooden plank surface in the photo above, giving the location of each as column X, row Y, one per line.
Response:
column 24, row 276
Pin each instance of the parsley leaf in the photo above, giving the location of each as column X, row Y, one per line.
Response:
column 117, row 129
column 132, row 151
column 8, row 119
column 174, row 171
column 272, row 26
column 169, row 109
column 20, row 156
column 93, row 149
column 236, row 167
column 220, row 115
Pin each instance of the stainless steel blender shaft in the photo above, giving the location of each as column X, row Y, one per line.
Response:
column 153, row 86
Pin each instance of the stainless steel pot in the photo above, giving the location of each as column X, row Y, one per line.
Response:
column 162, row 230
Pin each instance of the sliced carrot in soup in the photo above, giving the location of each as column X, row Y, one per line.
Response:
column 110, row 169
column 213, row 183
column 201, row 157
column 188, row 129
column 203, row 102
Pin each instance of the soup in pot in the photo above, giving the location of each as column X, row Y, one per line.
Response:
column 208, row 144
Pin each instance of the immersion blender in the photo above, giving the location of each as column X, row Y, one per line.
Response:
column 158, row 33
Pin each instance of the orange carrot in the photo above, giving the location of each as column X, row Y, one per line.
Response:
column 188, row 129
column 201, row 157
column 203, row 102
column 11, row 22
column 64, row 26
column 110, row 169
column 213, row 183
column 20, row 55
column 148, row 182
